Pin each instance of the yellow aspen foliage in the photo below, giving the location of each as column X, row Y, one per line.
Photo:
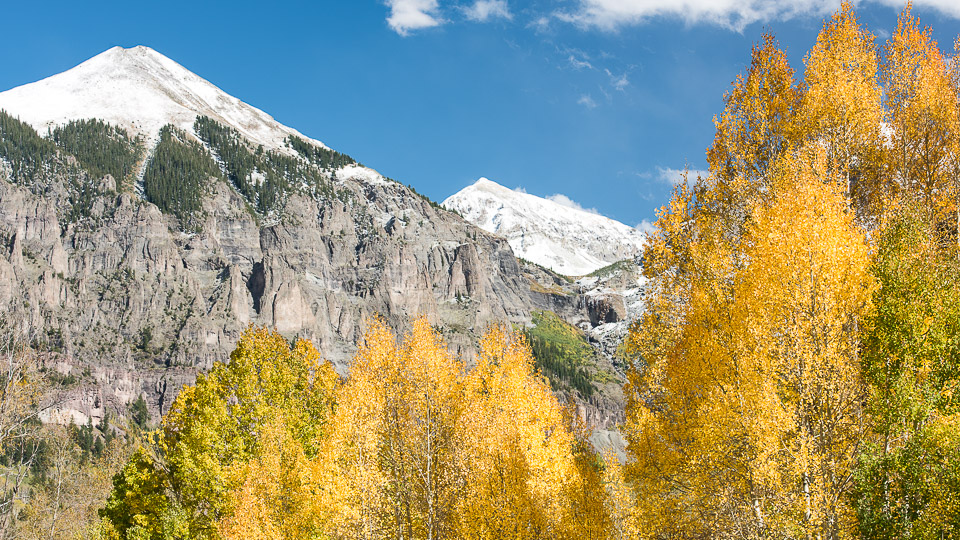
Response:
column 745, row 420
column 620, row 503
column 419, row 448
column 756, row 124
column 594, row 509
column 519, row 447
column 410, row 445
column 773, row 393
column 274, row 497
column 801, row 298
column 924, row 116
column 841, row 108
column 392, row 453
column 218, row 424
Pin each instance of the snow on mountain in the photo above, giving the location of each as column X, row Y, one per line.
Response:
column 568, row 240
column 140, row 90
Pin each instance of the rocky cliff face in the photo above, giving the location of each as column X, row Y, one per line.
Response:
column 143, row 306
column 132, row 302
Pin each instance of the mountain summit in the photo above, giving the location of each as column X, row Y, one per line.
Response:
column 566, row 239
column 140, row 90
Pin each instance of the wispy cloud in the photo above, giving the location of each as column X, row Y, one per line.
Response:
column 950, row 8
column 671, row 176
column 579, row 63
column 646, row 227
column 540, row 24
column 563, row 200
column 408, row 15
column 619, row 83
column 587, row 101
column 733, row 14
column 484, row 10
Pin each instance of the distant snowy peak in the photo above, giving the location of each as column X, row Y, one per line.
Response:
column 569, row 240
column 140, row 90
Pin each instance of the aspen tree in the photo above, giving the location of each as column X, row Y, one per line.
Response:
column 841, row 108
column 520, row 448
column 756, row 125
column 746, row 416
column 924, row 116
column 214, row 429
column 908, row 479
column 395, row 439
column 274, row 493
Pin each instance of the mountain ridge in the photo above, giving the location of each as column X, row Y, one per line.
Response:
column 123, row 292
column 139, row 90
column 569, row 240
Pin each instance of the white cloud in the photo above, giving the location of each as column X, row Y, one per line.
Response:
column 408, row 15
column 587, row 101
column 563, row 200
column 579, row 63
column 646, row 226
column 733, row 14
column 619, row 83
column 539, row 25
column 950, row 8
column 676, row 176
column 484, row 10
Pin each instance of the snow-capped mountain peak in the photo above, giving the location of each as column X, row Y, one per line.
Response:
column 140, row 90
column 567, row 239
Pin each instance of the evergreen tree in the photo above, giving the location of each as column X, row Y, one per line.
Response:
column 100, row 148
column 26, row 152
column 177, row 177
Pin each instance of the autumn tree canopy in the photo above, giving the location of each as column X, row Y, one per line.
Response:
column 410, row 445
column 793, row 371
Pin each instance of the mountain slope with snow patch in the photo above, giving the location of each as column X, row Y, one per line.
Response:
column 139, row 90
column 568, row 240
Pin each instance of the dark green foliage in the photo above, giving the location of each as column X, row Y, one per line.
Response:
column 90, row 440
column 26, row 151
column 36, row 163
column 138, row 413
column 146, row 337
column 82, row 194
column 84, row 437
column 31, row 448
column 239, row 161
column 321, row 157
column 100, row 148
column 561, row 352
column 277, row 175
column 907, row 484
column 624, row 265
column 178, row 175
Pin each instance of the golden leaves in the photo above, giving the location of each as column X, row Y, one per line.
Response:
column 924, row 117
column 420, row 448
column 745, row 413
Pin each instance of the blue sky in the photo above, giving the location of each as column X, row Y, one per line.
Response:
column 600, row 100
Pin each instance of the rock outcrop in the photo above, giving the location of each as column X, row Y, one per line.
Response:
column 127, row 296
